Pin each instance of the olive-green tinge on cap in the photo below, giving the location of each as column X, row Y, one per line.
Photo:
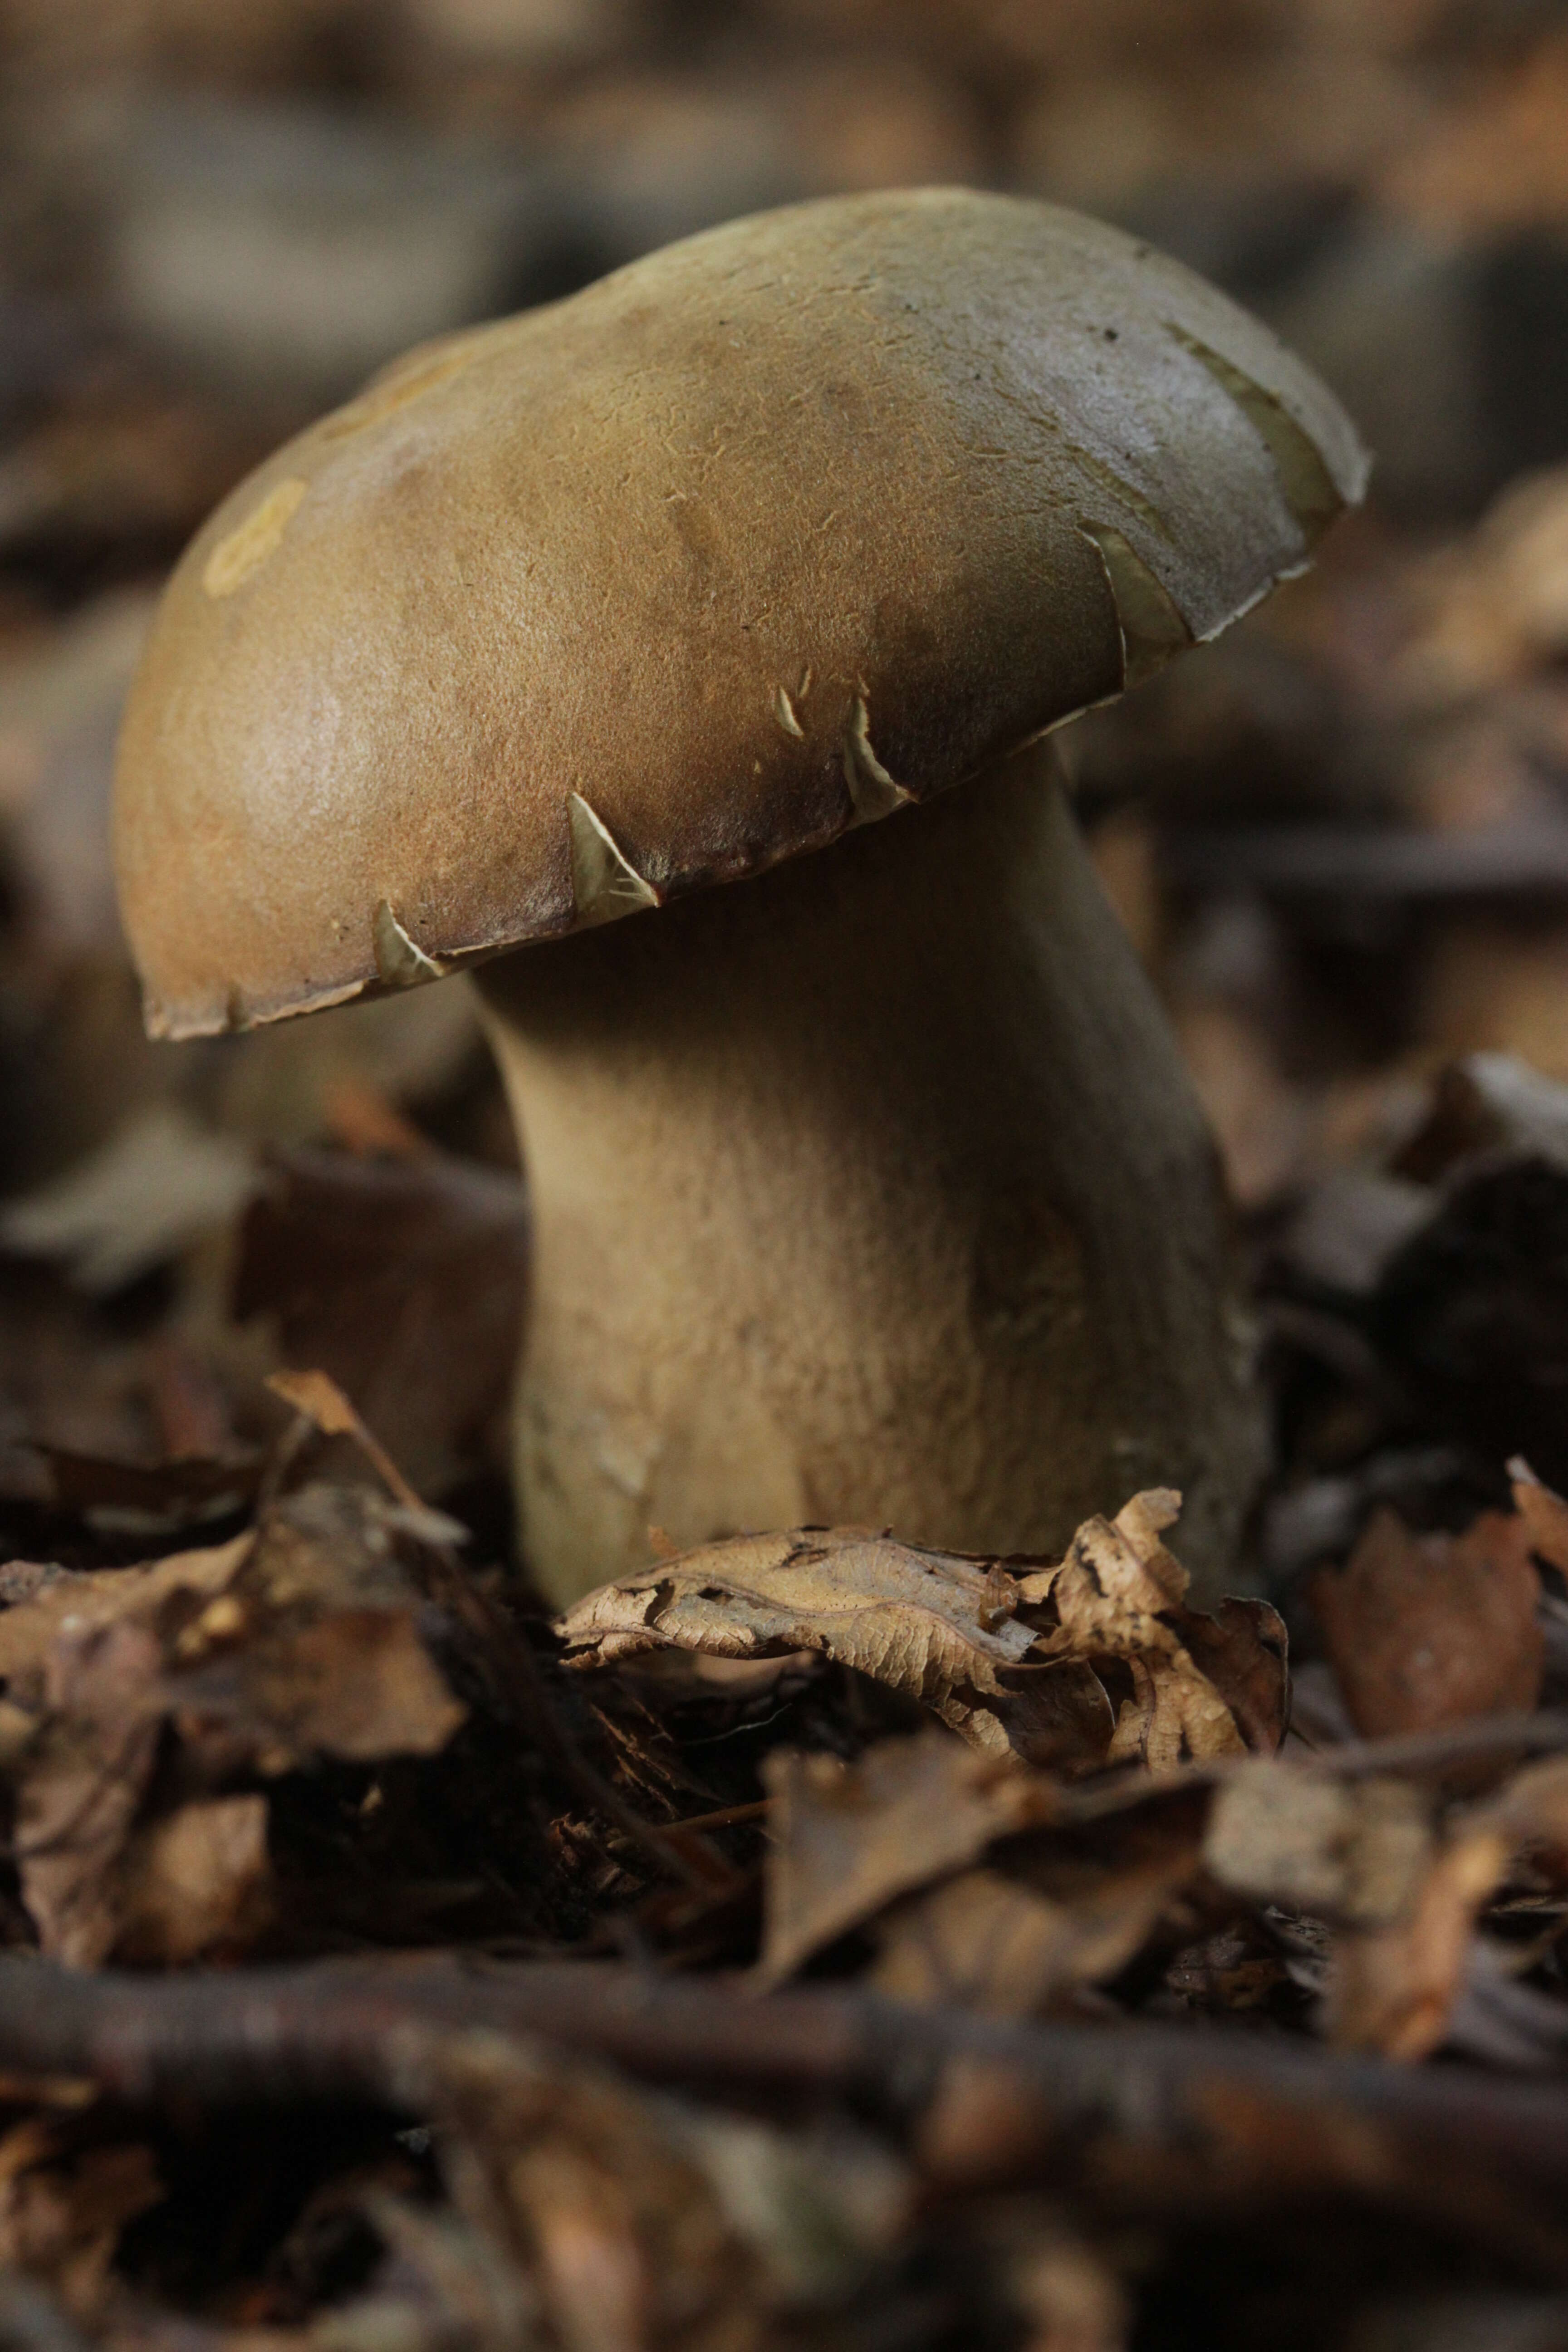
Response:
column 762, row 537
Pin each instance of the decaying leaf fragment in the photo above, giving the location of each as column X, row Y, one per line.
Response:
column 1425, row 1630
column 1393, row 1989
column 83, row 1780
column 314, row 1649
column 848, row 1838
column 571, row 2175
column 1355, row 1853
column 1003, row 1653
column 61, row 2216
column 983, row 1941
column 982, row 1883
column 297, row 1641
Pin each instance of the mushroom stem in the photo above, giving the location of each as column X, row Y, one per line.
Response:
column 869, row 1191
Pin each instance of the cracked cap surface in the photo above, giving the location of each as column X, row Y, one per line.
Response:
column 765, row 535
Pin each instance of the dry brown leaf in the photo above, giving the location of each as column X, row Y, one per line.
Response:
column 403, row 1279
column 1352, row 1851
column 300, row 1641
column 194, row 1881
column 103, row 1597
column 1545, row 1516
column 314, row 1649
column 60, row 2220
column 578, row 2176
column 1425, row 1630
column 1393, row 1989
column 848, row 1842
column 318, row 1397
column 83, row 1779
column 848, row 1838
column 983, row 1941
column 1005, row 1659
column 359, row 1685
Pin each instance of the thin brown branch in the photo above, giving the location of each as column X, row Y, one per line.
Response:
column 1451, row 1743
column 1142, row 2116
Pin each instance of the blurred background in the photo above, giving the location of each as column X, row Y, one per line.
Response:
column 1339, row 839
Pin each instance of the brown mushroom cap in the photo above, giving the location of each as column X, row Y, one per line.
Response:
column 763, row 536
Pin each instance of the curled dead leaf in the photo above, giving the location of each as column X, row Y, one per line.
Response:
column 909, row 1618
column 1202, row 1687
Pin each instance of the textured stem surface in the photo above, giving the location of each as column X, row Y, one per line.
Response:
column 870, row 1191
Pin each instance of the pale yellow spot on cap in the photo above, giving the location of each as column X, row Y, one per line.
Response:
column 248, row 546
column 385, row 399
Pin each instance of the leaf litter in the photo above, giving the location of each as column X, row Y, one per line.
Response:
column 1043, row 1797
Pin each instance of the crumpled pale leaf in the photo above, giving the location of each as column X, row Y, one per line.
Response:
column 1003, row 1653
column 1120, row 1593
column 1425, row 1630
column 911, row 1619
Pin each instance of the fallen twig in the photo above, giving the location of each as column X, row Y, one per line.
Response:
column 1159, row 2116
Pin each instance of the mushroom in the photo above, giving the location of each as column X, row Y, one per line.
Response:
column 867, row 1188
